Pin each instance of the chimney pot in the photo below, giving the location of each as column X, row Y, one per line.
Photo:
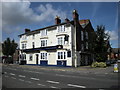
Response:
column 27, row 30
column 67, row 20
column 57, row 20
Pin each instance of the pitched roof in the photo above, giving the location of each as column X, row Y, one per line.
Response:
column 116, row 50
column 84, row 22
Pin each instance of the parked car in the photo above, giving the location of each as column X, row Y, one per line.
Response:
column 108, row 62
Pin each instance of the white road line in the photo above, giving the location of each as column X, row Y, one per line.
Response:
column 6, row 76
column 40, row 84
column 22, row 76
column 5, row 72
column 53, row 82
column 53, row 87
column 76, row 86
column 12, row 69
column 28, row 81
column 21, row 79
column 12, row 74
column 34, row 78
column 33, row 72
column 13, row 77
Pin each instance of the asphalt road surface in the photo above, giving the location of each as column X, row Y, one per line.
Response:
column 18, row 77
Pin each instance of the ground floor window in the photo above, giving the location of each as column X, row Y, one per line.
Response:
column 61, row 55
column 43, row 56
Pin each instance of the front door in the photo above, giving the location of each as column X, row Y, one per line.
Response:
column 37, row 57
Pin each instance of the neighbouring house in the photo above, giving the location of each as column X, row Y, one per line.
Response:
column 16, row 56
column 115, row 53
column 1, row 54
column 63, row 44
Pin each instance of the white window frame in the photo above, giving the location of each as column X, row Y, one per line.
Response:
column 43, row 56
column 82, row 35
column 61, row 55
column 43, row 32
column 61, row 28
column 43, row 43
column 61, row 40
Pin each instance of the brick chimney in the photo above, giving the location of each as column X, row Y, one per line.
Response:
column 75, row 15
column 57, row 20
column 67, row 20
column 27, row 30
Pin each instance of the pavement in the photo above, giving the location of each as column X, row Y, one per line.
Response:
column 81, row 69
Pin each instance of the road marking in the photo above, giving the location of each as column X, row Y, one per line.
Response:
column 53, row 87
column 5, row 72
column 22, row 76
column 28, row 81
column 60, row 75
column 76, row 86
column 12, row 69
column 53, row 82
column 12, row 74
column 6, row 76
column 35, row 78
column 33, row 72
column 40, row 84
column 13, row 77
column 21, row 79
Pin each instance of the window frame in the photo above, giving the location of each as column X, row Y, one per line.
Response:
column 61, row 55
column 44, row 42
column 43, row 56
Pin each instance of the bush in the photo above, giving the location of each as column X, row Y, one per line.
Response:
column 100, row 64
column 94, row 64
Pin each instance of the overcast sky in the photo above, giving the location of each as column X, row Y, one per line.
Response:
column 16, row 16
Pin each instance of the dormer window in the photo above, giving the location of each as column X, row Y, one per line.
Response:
column 61, row 28
column 44, row 32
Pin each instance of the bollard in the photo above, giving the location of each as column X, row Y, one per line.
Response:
column 115, row 67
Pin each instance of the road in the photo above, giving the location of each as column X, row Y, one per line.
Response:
column 18, row 77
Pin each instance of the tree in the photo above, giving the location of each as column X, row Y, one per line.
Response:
column 101, row 43
column 9, row 47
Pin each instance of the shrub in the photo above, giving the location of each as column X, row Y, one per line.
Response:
column 94, row 64
column 100, row 64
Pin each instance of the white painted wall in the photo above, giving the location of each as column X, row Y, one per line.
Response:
column 52, row 41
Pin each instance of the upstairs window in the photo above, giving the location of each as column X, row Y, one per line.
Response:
column 61, row 41
column 61, row 28
column 24, row 46
column 33, row 37
column 33, row 44
column 44, row 32
column 43, row 43
column 82, row 36
column 82, row 47
column 86, row 45
column 86, row 35
column 43, row 56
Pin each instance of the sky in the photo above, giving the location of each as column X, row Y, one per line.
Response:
column 16, row 16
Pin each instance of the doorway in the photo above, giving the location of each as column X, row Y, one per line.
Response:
column 37, row 58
